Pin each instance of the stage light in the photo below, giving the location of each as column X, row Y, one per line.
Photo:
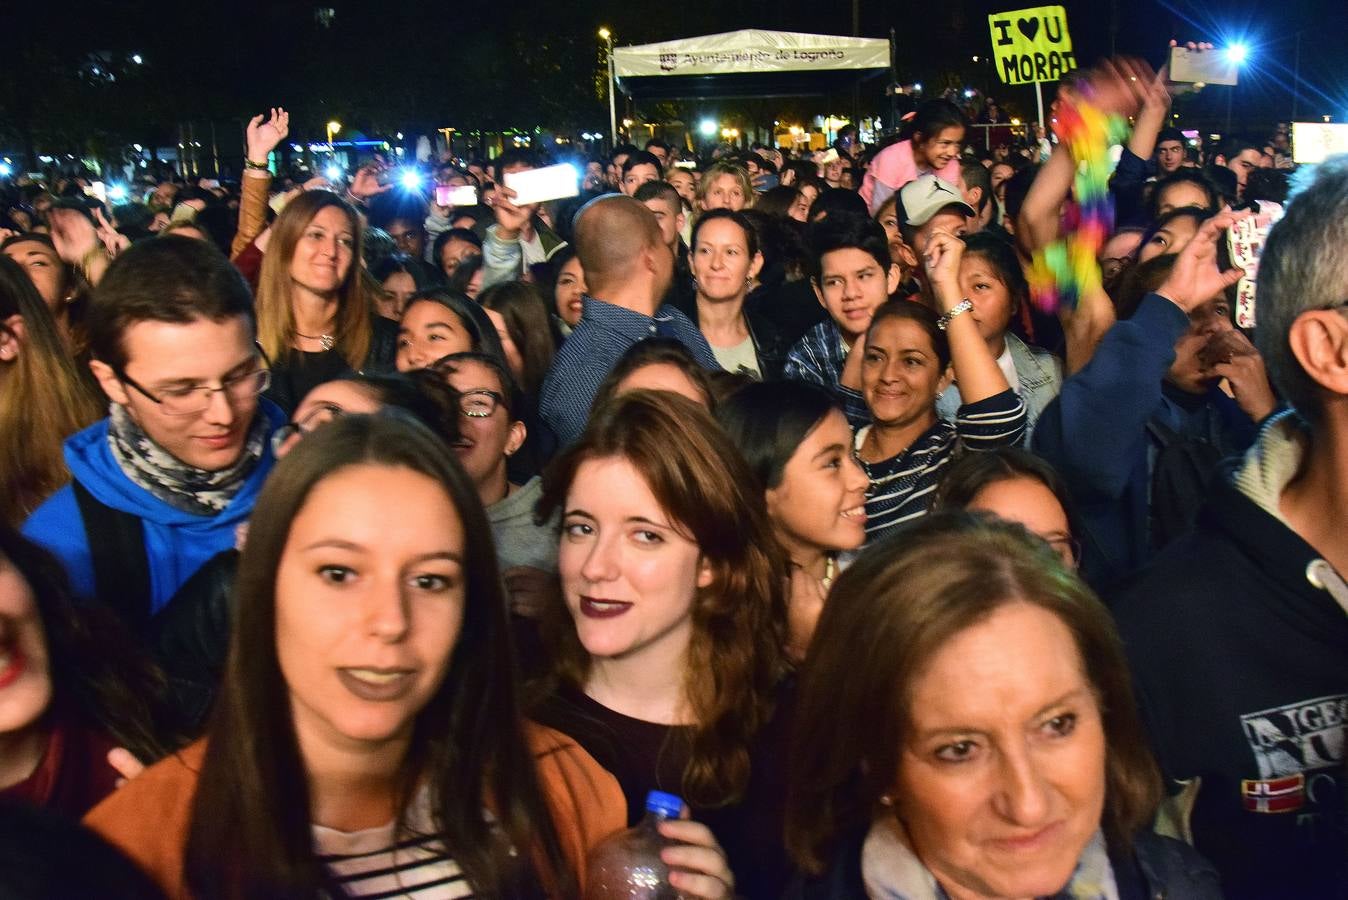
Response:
column 708, row 128
column 335, row 173
column 410, row 179
column 6, row 170
column 116, row 192
column 1238, row 53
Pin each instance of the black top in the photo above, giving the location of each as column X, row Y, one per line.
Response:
column 300, row 371
column 645, row 756
column 1241, row 666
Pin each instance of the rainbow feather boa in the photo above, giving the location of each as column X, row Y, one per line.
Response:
column 1066, row 269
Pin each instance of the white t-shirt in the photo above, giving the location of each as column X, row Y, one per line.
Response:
column 1008, row 367
column 739, row 358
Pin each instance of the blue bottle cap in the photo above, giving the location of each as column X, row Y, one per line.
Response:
column 667, row 805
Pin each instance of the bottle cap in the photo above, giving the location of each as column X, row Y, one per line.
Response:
column 667, row 805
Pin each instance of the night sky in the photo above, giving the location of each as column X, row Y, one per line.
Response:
column 416, row 65
column 932, row 35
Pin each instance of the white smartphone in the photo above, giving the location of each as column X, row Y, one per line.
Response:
column 1202, row 66
column 455, row 195
column 539, row 185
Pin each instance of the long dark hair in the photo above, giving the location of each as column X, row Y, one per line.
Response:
column 250, row 830
column 468, row 312
column 43, row 400
column 526, row 318
column 100, row 678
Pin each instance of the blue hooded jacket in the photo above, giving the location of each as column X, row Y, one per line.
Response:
column 177, row 543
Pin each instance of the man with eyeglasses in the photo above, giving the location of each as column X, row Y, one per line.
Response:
column 161, row 484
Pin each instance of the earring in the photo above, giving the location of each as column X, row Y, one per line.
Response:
column 886, row 800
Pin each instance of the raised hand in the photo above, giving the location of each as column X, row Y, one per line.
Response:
column 365, row 183
column 265, row 132
column 73, row 235
column 1195, row 278
column 942, row 261
column 1118, row 85
column 510, row 219
column 113, row 240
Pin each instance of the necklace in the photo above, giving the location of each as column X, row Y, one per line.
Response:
column 326, row 340
column 829, row 566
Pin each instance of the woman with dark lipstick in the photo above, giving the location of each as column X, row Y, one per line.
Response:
column 668, row 662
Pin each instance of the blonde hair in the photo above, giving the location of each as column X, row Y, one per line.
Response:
column 42, row 400
column 724, row 167
column 276, row 330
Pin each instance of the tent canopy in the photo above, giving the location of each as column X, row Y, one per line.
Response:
column 748, row 63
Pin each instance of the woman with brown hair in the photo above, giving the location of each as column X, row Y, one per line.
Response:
column 314, row 316
column 668, row 663
column 966, row 728
column 520, row 315
column 62, row 287
column 43, row 401
column 367, row 740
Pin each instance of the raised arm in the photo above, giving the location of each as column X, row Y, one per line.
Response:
column 976, row 369
column 262, row 135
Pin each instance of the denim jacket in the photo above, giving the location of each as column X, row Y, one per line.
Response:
column 1040, row 376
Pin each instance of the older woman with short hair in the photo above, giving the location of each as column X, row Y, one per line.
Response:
column 966, row 728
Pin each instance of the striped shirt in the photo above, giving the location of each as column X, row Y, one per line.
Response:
column 818, row 357
column 382, row 863
column 901, row 487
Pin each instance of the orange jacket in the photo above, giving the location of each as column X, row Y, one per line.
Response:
column 148, row 819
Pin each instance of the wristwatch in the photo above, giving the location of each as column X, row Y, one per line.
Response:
column 962, row 307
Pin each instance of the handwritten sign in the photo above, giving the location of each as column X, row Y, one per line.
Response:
column 1032, row 45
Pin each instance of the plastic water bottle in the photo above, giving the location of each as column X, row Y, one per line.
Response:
column 627, row 865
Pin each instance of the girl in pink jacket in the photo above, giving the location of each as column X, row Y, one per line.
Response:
column 936, row 135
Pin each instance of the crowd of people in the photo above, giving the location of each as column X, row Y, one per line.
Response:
column 356, row 543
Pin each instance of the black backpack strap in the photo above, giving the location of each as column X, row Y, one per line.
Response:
column 121, row 565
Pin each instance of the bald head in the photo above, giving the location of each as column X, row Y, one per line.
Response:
column 611, row 231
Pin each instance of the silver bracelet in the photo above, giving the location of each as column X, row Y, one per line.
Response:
column 962, row 307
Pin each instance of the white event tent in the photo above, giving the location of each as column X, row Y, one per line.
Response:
column 748, row 63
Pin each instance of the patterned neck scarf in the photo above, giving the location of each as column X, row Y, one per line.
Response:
column 893, row 872
column 173, row 481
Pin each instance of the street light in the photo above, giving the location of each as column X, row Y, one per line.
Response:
column 708, row 128
column 333, row 127
column 607, row 37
